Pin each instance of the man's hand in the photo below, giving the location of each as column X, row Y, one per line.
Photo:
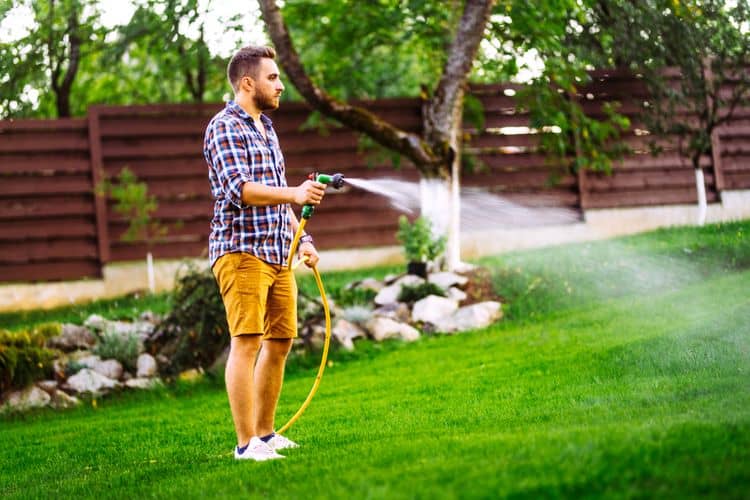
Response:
column 308, row 250
column 309, row 193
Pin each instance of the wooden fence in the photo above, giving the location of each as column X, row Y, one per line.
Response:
column 53, row 227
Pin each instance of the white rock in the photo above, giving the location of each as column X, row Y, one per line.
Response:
column 143, row 329
column 110, row 368
column 456, row 294
column 345, row 332
column 381, row 328
column 390, row 278
column 388, row 295
column 445, row 280
column 409, row 280
column 31, row 397
column 433, row 308
column 87, row 380
column 396, row 310
column 48, row 386
column 145, row 366
column 471, row 317
column 62, row 400
column 143, row 383
column 369, row 284
column 88, row 360
column 72, row 337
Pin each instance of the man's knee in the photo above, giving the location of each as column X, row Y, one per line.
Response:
column 278, row 348
column 245, row 345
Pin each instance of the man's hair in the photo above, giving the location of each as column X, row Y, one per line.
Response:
column 246, row 62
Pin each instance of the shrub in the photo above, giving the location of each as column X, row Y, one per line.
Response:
column 120, row 346
column 195, row 332
column 419, row 243
column 354, row 296
column 23, row 357
column 414, row 293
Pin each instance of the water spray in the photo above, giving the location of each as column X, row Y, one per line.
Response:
column 336, row 181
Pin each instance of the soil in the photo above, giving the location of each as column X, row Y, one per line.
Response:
column 479, row 288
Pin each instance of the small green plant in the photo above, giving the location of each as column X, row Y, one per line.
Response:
column 419, row 243
column 134, row 203
column 413, row 293
column 23, row 357
column 354, row 296
column 72, row 367
column 120, row 346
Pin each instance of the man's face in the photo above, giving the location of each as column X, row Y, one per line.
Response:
column 268, row 86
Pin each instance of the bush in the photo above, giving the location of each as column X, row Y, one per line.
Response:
column 23, row 357
column 346, row 297
column 120, row 346
column 419, row 243
column 195, row 332
column 414, row 293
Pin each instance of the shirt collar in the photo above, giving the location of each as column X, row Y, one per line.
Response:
column 235, row 108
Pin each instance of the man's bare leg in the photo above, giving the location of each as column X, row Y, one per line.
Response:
column 269, row 376
column 238, row 376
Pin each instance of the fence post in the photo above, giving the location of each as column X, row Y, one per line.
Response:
column 97, row 176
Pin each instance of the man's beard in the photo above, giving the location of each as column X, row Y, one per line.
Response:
column 266, row 102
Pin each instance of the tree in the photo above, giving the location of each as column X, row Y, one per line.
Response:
column 48, row 56
column 706, row 47
column 134, row 203
column 436, row 152
column 183, row 70
column 68, row 59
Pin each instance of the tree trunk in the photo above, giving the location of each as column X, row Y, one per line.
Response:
column 436, row 154
column 62, row 89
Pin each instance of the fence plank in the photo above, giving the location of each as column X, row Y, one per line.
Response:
column 48, row 249
column 47, row 206
column 49, row 271
column 97, row 177
column 51, row 228
column 39, row 185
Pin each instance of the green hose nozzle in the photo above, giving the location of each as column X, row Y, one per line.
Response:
column 335, row 180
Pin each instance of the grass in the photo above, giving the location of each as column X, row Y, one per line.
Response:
column 121, row 308
column 620, row 385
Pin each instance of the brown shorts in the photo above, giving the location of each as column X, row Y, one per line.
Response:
column 260, row 298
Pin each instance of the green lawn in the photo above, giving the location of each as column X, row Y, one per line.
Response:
column 627, row 381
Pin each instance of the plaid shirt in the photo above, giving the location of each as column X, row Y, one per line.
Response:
column 236, row 153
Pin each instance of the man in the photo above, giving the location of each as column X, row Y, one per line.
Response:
column 251, row 233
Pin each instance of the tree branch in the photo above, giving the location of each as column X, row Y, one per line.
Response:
column 354, row 117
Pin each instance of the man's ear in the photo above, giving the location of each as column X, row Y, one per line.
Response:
column 247, row 83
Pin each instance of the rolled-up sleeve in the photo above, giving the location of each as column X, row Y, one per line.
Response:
column 229, row 159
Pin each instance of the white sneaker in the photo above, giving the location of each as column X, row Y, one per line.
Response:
column 279, row 442
column 256, row 450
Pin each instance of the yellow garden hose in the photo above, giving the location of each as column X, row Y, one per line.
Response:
column 327, row 311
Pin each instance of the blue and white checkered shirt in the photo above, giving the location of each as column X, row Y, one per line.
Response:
column 237, row 153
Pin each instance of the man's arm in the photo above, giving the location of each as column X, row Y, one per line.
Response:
column 309, row 192
column 230, row 164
